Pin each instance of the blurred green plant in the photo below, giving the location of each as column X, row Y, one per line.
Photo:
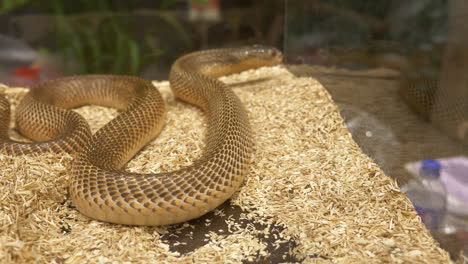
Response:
column 96, row 36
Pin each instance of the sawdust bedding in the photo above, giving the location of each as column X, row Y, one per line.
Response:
column 312, row 196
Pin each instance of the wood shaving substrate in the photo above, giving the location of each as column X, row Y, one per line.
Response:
column 308, row 176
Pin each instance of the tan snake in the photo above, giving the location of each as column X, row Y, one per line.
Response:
column 99, row 187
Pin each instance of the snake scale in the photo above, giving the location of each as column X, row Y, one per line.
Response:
column 99, row 187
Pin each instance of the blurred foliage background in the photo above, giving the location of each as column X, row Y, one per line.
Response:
column 103, row 36
column 131, row 36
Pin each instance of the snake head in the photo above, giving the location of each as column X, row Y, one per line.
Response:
column 269, row 54
column 255, row 56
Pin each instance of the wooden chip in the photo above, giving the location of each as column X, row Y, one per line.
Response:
column 332, row 202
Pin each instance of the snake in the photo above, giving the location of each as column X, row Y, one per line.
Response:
column 99, row 185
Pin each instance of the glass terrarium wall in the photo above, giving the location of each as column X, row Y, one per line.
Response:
column 53, row 38
column 397, row 70
column 368, row 41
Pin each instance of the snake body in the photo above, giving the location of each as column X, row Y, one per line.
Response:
column 99, row 187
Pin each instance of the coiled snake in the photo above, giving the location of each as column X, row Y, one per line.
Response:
column 99, row 187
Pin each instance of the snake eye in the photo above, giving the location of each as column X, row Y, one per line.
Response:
column 274, row 53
